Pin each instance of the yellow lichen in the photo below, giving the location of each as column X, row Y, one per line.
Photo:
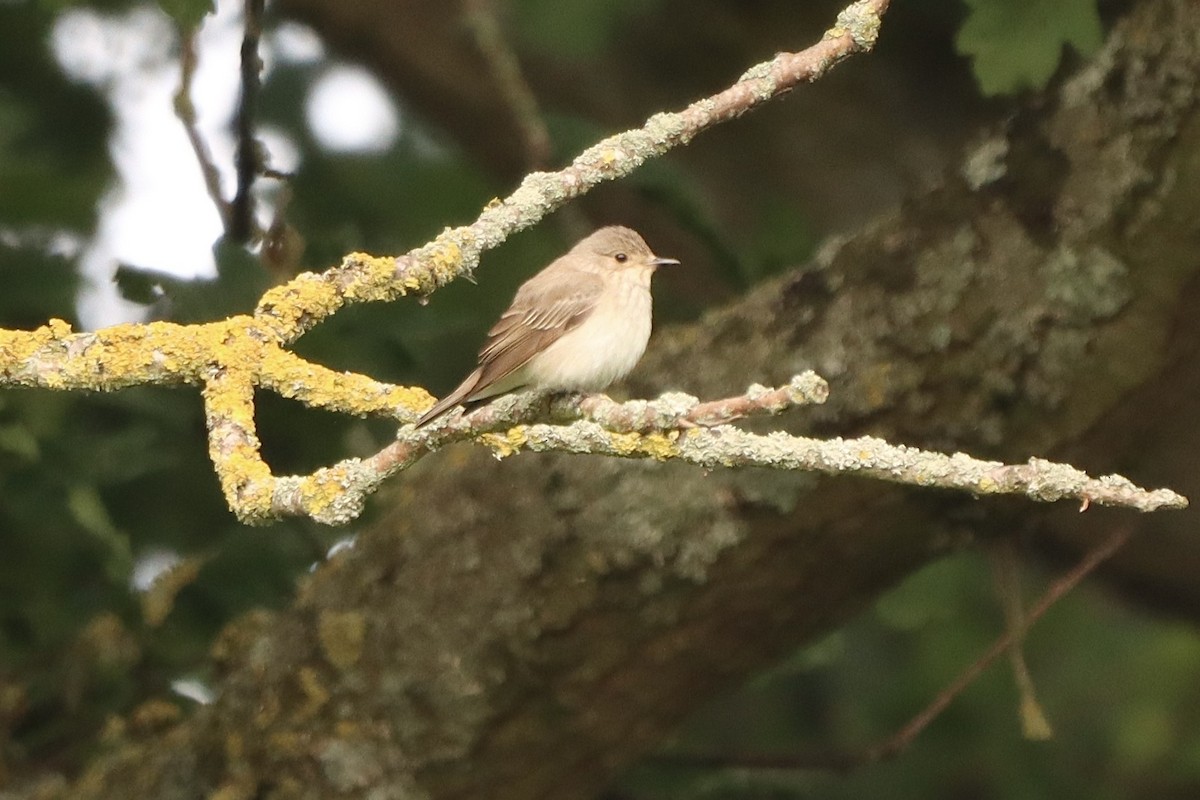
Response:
column 58, row 329
column 288, row 307
column 348, row 729
column 655, row 445
column 268, row 710
column 660, row 446
column 505, row 444
column 235, row 747
column 446, row 259
column 347, row 392
column 321, row 489
column 374, row 278
column 836, row 32
column 287, row 743
column 115, row 729
column 413, row 398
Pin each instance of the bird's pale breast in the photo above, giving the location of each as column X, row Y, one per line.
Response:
column 606, row 346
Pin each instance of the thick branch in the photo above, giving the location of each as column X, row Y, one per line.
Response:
column 571, row 612
column 234, row 356
column 245, row 352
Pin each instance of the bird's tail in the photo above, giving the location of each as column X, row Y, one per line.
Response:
column 448, row 402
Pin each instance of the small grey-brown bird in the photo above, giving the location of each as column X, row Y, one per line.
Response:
column 578, row 325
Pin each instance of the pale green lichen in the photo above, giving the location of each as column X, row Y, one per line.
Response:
column 1088, row 285
column 759, row 72
column 860, row 21
column 986, row 163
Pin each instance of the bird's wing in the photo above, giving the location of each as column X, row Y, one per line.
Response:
column 546, row 307
column 448, row 402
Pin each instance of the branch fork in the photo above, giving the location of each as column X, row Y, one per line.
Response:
column 233, row 357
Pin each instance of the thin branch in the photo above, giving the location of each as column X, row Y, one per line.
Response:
column 456, row 252
column 242, row 225
column 233, row 356
column 674, row 428
column 1006, row 573
column 1057, row 590
column 185, row 110
column 846, row 761
column 518, row 96
column 514, row 89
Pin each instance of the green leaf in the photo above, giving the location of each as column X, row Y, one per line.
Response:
column 240, row 280
column 1017, row 44
column 187, row 13
column 54, row 163
column 142, row 286
column 20, row 441
column 87, row 508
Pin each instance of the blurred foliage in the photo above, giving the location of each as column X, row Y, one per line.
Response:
column 1018, row 44
column 92, row 487
column 187, row 13
column 573, row 29
column 53, row 154
column 241, row 279
column 1119, row 689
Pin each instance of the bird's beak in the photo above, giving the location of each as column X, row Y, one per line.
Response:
column 663, row 262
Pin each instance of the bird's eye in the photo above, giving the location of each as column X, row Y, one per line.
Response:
column 621, row 258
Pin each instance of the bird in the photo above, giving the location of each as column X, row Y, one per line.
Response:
column 578, row 325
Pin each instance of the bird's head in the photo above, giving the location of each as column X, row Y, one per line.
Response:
column 617, row 248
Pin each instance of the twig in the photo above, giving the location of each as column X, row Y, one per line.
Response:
column 845, row 761
column 242, row 225
column 1005, row 569
column 678, row 410
column 514, row 89
column 233, row 356
column 185, row 110
column 1094, row 558
column 456, row 252
column 669, row 429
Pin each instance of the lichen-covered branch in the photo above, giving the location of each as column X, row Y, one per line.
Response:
column 232, row 357
column 679, row 427
column 457, row 250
